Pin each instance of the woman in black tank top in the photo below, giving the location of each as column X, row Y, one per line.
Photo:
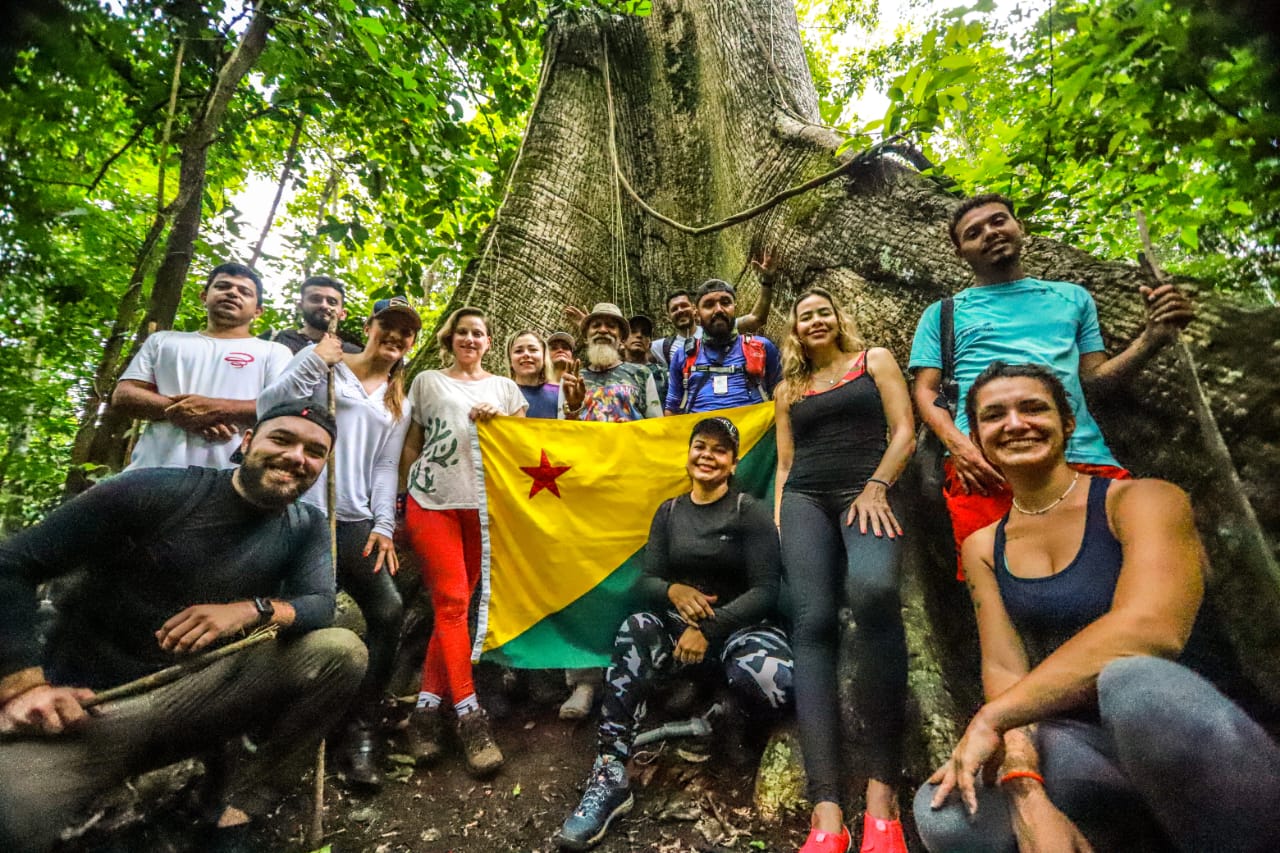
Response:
column 845, row 432
column 1086, row 596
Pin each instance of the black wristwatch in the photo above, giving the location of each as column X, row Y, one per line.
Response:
column 265, row 609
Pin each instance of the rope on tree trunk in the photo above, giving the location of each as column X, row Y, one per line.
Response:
column 742, row 216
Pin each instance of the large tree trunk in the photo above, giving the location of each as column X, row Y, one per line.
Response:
column 716, row 111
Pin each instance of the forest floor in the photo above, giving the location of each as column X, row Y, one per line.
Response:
column 681, row 806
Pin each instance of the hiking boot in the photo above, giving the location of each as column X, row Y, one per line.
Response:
column 424, row 736
column 607, row 796
column 579, row 703
column 359, row 755
column 483, row 755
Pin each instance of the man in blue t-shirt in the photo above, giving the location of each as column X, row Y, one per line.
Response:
column 1011, row 317
column 728, row 369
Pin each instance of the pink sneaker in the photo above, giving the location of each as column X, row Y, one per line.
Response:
column 882, row 836
column 824, row 842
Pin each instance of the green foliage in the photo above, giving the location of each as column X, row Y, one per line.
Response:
column 1094, row 112
column 411, row 114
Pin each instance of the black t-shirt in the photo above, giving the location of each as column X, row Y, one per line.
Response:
column 728, row 548
column 297, row 342
column 152, row 542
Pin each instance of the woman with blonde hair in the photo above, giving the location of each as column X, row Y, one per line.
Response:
column 442, row 520
column 527, row 361
column 845, row 432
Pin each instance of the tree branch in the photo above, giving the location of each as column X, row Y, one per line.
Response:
column 284, row 179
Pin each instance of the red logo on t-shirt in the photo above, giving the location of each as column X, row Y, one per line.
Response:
column 238, row 359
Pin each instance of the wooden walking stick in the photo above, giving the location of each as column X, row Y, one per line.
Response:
column 170, row 674
column 331, row 500
column 1252, row 543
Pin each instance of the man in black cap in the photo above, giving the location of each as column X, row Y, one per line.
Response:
column 724, row 369
column 174, row 561
column 635, row 350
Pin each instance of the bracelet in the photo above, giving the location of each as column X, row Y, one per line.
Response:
column 569, row 411
column 877, row 480
column 1021, row 774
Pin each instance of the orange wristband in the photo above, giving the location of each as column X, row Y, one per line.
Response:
column 1021, row 774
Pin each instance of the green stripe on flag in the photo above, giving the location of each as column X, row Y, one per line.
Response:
column 581, row 634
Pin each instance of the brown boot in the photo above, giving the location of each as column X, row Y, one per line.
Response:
column 424, row 738
column 483, row 755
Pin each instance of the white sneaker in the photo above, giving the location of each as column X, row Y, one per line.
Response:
column 578, row 705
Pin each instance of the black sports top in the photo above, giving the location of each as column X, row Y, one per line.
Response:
column 1048, row 611
column 840, row 435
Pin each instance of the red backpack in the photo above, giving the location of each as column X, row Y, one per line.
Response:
column 752, row 353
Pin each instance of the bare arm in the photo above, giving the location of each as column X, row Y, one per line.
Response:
column 897, row 412
column 1157, row 596
column 973, row 469
column 413, row 441
column 137, row 399
column 786, row 446
column 1168, row 312
column 759, row 316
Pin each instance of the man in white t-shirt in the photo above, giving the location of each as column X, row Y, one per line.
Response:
column 198, row 390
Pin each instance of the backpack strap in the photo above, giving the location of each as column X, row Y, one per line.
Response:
column 667, row 343
column 949, row 390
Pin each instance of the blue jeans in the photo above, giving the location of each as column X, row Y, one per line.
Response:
column 1173, row 763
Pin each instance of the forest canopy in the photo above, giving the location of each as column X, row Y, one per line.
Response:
column 142, row 143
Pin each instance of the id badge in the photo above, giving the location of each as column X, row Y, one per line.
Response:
column 720, row 383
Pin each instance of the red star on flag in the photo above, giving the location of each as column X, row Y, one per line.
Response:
column 544, row 476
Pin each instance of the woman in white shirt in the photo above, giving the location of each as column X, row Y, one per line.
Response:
column 372, row 416
column 442, row 520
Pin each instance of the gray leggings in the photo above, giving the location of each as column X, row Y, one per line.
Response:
column 828, row 564
column 1173, row 763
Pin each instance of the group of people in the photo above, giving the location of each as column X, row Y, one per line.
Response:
column 1102, row 725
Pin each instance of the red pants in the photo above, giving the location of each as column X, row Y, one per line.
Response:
column 447, row 544
column 972, row 512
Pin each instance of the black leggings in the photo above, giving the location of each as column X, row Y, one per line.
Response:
column 828, row 564
column 379, row 603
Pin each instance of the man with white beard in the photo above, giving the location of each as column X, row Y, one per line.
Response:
column 608, row 389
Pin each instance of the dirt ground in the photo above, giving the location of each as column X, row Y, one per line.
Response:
column 680, row 806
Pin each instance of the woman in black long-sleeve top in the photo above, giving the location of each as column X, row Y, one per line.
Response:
column 710, row 582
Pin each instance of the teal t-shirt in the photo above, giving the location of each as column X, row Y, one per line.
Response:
column 1051, row 323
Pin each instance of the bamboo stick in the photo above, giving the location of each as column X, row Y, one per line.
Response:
column 170, row 674
column 316, row 833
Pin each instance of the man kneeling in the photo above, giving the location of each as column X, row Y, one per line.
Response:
column 711, row 576
column 175, row 561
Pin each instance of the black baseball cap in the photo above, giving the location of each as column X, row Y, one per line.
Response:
column 642, row 324
column 720, row 427
column 713, row 285
column 295, row 409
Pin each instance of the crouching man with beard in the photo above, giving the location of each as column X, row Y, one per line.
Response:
column 175, row 561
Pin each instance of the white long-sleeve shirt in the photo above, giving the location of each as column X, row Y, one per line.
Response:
column 367, row 452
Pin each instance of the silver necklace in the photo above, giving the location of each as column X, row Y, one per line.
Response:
column 1043, row 510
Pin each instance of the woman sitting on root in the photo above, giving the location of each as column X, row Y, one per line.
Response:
column 710, row 583
column 1099, row 726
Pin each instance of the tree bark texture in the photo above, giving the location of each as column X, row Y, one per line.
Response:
column 715, row 111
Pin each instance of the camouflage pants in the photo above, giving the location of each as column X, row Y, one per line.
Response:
column 755, row 660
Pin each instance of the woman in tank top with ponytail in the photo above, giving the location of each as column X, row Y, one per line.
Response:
column 845, row 432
